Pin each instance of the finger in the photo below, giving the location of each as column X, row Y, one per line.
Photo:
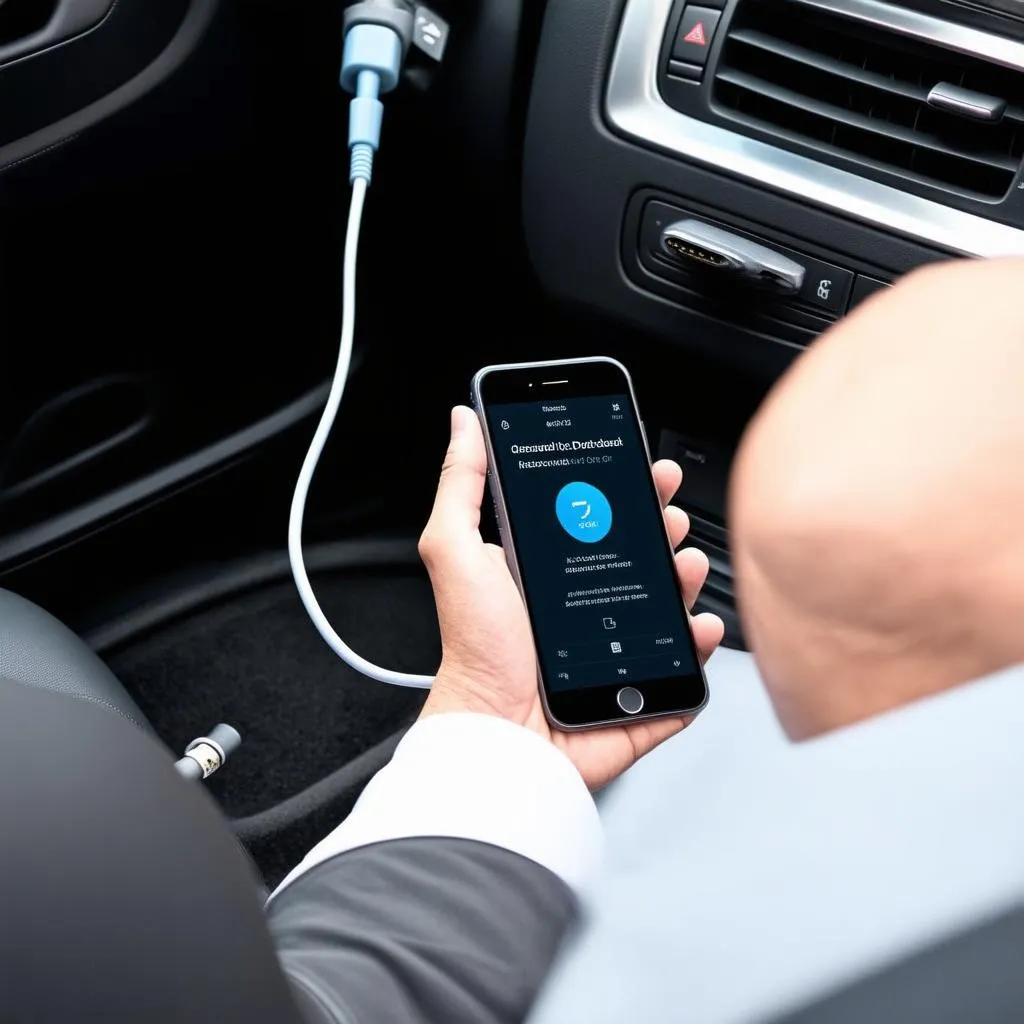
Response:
column 668, row 478
column 708, row 631
column 692, row 568
column 460, row 491
column 677, row 522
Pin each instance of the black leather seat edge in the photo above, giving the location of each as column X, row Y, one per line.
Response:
column 39, row 651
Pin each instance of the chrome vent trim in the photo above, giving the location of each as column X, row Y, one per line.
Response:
column 635, row 108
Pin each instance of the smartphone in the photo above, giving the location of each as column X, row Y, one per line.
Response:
column 585, row 539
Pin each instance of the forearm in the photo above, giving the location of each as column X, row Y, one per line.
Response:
column 421, row 930
column 445, row 894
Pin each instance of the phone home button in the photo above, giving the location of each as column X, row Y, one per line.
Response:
column 630, row 699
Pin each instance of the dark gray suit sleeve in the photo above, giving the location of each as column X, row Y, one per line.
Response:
column 415, row 931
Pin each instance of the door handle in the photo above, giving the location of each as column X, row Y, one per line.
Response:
column 70, row 18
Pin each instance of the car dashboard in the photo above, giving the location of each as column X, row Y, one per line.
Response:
column 851, row 140
column 818, row 128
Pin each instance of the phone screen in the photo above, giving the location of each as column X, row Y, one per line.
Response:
column 589, row 540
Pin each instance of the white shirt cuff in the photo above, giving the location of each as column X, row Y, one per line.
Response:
column 471, row 776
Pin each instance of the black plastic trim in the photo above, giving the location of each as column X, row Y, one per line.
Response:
column 196, row 22
column 20, row 548
column 44, row 87
column 70, row 20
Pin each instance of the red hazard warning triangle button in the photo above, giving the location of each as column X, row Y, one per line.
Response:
column 695, row 34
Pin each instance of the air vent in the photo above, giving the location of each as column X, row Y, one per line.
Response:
column 862, row 92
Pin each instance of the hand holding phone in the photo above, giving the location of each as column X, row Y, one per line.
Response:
column 489, row 663
column 582, row 529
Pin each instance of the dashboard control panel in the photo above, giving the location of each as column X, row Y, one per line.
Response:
column 829, row 285
column 726, row 173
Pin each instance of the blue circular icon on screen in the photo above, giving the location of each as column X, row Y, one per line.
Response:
column 584, row 512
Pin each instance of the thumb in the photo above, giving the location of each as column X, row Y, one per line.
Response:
column 456, row 512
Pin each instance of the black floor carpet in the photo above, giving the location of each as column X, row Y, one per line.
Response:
column 256, row 662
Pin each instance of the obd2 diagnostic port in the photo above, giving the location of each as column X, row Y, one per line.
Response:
column 712, row 247
column 689, row 251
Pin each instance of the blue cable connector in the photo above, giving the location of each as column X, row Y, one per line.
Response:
column 370, row 66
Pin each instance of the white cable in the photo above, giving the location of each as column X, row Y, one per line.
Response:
column 316, row 447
